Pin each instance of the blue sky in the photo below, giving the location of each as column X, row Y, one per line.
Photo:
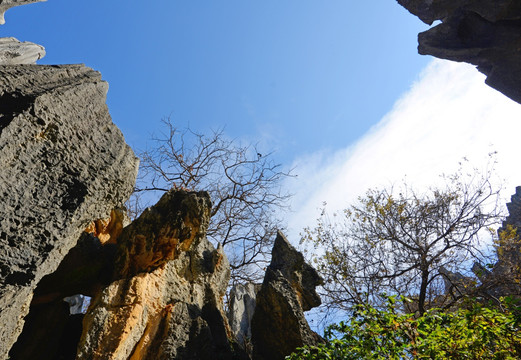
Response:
column 336, row 88
column 298, row 75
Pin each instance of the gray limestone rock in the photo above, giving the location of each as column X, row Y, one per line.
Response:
column 303, row 277
column 240, row 311
column 63, row 164
column 481, row 32
column 278, row 325
column 7, row 4
column 14, row 52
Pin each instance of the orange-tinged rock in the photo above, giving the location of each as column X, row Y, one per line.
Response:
column 130, row 311
column 166, row 298
column 108, row 230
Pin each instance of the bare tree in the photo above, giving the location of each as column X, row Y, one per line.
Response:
column 405, row 242
column 244, row 185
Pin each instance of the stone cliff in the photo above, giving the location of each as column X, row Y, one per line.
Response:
column 157, row 293
column 14, row 52
column 64, row 164
column 481, row 32
column 504, row 278
column 165, row 301
column 287, row 291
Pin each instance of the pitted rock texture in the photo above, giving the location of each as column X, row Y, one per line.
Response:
column 14, row 52
column 166, row 298
column 162, row 232
column 481, row 32
column 63, row 163
column 278, row 325
column 7, row 4
column 86, row 269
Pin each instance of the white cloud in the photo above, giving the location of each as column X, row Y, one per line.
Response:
column 448, row 114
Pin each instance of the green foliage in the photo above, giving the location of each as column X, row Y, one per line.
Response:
column 475, row 332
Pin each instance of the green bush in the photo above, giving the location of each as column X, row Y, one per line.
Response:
column 474, row 332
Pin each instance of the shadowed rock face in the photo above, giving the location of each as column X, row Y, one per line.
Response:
column 481, row 32
column 505, row 277
column 63, row 164
column 278, row 325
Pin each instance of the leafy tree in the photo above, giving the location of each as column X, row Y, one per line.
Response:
column 473, row 332
column 244, row 185
column 405, row 242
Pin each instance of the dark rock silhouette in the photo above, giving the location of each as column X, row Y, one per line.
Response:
column 481, row 32
column 278, row 325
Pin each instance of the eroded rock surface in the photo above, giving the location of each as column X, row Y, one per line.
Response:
column 14, row 52
column 108, row 230
column 63, row 163
column 481, row 32
column 166, row 298
column 278, row 324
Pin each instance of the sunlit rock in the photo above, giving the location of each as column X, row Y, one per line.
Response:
column 241, row 309
column 278, row 324
column 7, row 4
column 166, row 298
column 63, row 163
column 14, row 52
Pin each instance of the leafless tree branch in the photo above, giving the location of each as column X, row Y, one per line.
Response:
column 244, row 185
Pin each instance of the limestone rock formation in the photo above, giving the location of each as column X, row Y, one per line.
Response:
column 14, row 52
column 481, row 32
column 86, row 269
column 514, row 211
column 53, row 333
column 241, row 309
column 505, row 276
column 7, row 4
column 63, row 164
column 166, row 298
column 278, row 324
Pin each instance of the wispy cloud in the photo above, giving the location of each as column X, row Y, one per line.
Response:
column 448, row 114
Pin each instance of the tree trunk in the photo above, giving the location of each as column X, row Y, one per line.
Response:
column 423, row 290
